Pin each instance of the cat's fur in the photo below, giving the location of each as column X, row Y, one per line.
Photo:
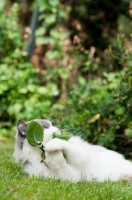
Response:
column 72, row 160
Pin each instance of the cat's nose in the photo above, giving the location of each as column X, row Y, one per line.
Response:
column 57, row 130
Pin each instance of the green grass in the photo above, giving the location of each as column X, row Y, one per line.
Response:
column 15, row 185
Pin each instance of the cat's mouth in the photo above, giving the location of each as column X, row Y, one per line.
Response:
column 43, row 156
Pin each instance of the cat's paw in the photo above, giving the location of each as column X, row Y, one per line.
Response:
column 54, row 145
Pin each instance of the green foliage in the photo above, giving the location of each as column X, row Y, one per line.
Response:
column 63, row 60
column 10, row 35
column 34, row 133
column 71, row 85
column 93, row 110
column 123, row 93
column 62, row 137
column 100, row 110
column 22, row 96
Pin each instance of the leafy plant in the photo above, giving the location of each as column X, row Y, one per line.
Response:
column 22, row 96
column 34, row 133
column 62, row 137
column 69, row 85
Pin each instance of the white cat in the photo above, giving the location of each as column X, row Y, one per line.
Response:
column 72, row 160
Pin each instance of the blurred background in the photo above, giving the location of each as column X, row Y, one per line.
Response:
column 69, row 61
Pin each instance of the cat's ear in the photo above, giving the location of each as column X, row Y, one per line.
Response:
column 22, row 126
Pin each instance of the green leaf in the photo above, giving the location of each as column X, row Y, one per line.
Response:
column 119, row 111
column 2, row 5
column 62, row 137
column 34, row 133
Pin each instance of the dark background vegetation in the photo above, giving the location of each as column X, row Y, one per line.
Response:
column 69, row 61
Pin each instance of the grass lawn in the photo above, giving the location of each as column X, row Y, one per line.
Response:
column 15, row 185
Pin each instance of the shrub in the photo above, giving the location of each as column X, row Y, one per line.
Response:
column 101, row 110
column 22, row 96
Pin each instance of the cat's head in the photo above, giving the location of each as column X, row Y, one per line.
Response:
column 23, row 150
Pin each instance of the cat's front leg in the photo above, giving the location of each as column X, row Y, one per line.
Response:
column 75, row 152
column 54, row 155
column 54, row 145
column 58, row 165
column 55, row 160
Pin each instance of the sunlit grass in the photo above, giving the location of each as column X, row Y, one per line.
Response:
column 15, row 185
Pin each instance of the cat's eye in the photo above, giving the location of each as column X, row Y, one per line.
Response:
column 45, row 127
